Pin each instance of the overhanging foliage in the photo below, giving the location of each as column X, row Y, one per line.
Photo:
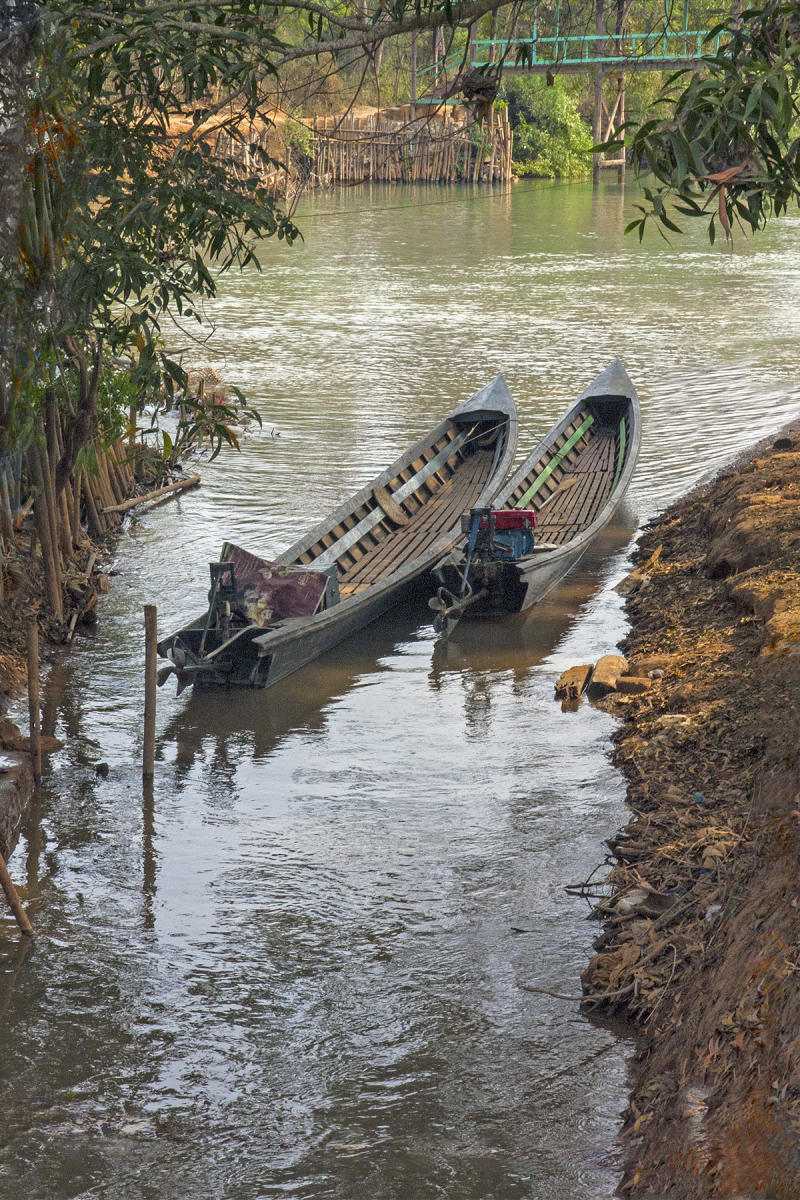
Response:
column 727, row 148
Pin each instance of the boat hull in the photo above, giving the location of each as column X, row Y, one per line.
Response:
column 377, row 551
column 574, row 480
column 292, row 644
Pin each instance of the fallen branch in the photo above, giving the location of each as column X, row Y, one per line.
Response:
column 181, row 485
column 13, row 900
column 540, row 991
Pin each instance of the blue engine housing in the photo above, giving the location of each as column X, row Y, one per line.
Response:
column 510, row 544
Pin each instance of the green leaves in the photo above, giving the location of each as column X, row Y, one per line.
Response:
column 127, row 211
column 550, row 138
column 729, row 151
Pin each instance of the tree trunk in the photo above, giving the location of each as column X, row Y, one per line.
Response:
column 17, row 25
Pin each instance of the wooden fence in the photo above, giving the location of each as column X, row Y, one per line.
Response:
column 343, row 151
column 370, row 149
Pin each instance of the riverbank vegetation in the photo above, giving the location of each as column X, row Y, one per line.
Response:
column 121, row 213
column 550, row 136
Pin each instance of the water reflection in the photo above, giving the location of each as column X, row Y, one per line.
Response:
column 254, row 723
column 290, row 968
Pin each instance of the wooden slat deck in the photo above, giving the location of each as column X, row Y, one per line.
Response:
column 384, row 528
column 576, row 506
column 435, row 517
column 549, row 485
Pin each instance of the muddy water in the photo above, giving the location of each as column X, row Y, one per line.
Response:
column 294, row 970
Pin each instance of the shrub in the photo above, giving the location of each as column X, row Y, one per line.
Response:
column 550, row 137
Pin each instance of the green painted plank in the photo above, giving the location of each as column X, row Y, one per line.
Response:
column 621, row 455
column 554, row 462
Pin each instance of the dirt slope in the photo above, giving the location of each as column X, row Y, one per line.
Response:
column 701, row 939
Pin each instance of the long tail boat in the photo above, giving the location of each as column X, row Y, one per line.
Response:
column 267, row 619
column 541, row 522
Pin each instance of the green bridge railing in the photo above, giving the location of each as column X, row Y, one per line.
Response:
column 632, row 50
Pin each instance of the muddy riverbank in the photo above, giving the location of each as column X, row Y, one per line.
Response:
column 25, row 599
column 701, row 937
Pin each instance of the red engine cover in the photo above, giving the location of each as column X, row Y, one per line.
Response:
column 514, row 518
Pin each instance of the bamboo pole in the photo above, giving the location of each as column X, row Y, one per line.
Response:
column 181, row 485
column 117, row 477
column 96, row 520
column 65, row 524
column 150, row 651
column 124, row 467
column 13, row 900
column 50, row 566
column 6, row 515
column 48, row 504
column 34, row 718
column 102, row 484
column 51, row 428
column 105, row 476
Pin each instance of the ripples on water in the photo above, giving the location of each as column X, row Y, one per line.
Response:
column 293, row 971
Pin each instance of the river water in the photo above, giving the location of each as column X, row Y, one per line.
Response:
column 295, row 969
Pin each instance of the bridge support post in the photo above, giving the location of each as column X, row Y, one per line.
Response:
column 413, row 75
column 597, row 122
column 597, row 115
column 621, row 121
column 605, row 123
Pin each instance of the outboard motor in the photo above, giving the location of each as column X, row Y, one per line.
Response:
column 499, row 535
column 494, row 535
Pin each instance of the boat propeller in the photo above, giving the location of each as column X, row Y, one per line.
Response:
column 175, row 666
column 448, row 608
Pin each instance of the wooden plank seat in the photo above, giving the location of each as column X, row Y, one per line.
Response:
column 556, row 535
column 439, row 514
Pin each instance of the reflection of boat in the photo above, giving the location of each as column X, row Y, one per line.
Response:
column 548, row 514
column 265, row 620
column 252, row 725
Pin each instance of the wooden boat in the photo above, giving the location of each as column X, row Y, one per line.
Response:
column 264, row 620
column 547, row 515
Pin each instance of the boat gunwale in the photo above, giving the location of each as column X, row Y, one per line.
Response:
column 506, row 413
column 296, row 627
column 529, row 563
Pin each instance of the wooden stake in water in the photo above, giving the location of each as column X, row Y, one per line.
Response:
column 13, row 899
column 33, row 700
column 150, row 640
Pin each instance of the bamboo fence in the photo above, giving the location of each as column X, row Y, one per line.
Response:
column 352, row 150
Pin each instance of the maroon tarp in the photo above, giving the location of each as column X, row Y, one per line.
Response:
column 270, row 593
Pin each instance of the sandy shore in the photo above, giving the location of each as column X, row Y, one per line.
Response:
column 700, row 941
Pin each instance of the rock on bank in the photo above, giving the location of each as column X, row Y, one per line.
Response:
column 701, row 936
